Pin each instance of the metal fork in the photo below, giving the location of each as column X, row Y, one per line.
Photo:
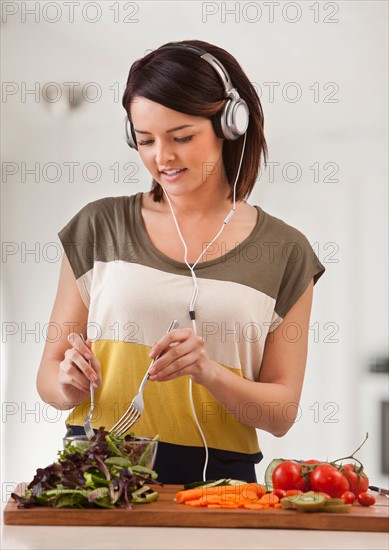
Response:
column 87, row 422
column 136, row 407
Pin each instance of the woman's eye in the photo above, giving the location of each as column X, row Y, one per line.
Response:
column 184, row 140
column 179, row 140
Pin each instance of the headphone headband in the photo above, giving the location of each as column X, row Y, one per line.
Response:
column 211, row 59
column 229, row 123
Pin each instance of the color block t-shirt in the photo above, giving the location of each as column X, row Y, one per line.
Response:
column 133, row 292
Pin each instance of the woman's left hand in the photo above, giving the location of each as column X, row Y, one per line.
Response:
column 181, row 352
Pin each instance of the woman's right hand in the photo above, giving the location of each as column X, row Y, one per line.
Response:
column 75, row 372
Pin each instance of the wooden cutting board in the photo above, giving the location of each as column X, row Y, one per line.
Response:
column 165, row 512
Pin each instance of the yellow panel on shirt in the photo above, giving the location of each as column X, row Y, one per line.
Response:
column 167, row 410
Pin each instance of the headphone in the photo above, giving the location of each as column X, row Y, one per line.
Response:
column 229, row 123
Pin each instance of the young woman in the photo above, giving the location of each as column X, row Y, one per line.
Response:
column 238, row 280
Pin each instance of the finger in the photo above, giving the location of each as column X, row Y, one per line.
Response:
column 175, row 375
column 179, row 367
column 191, row 343
column 83, row 347
column 71, row 375
column 83, row 365
column 175, row 335
column 172, row 354
column 69, row 381
column 77, row 343
column 95, row 363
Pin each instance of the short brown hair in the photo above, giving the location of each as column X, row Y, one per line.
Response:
column 186, row 83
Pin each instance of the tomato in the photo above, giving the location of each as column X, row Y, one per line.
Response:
column 280, row 493
column 307, row 468
column 348, row 497
column 358, row 480
column 328, row 479
column 287, row 475
column 366, row 499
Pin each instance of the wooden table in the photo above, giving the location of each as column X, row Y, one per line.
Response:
column 165, row 512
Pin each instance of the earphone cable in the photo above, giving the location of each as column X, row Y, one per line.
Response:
column 196, row 291
column 238, row 172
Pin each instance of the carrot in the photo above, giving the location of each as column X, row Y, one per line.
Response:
column 193, row 503
column 254, row 488
column 253, row 506
column 223, row 490
column 189, row 494
column 210, row 500
column 247, row 488
column 248, row 495
column 269, row 498
column 229, row 505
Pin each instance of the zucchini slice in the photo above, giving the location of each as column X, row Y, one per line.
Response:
column 269, row 472
column 214, row 483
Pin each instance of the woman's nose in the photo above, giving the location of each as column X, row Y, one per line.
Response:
column 163, row 154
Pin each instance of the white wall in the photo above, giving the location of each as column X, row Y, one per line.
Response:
column 347, row 218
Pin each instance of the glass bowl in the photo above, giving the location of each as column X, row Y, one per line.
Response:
column 141, row 451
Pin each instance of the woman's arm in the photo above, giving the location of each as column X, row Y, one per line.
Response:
column 269, row 404
column 278, row 390
column 64, row 373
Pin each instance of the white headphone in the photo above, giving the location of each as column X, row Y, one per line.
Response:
column 231, row 122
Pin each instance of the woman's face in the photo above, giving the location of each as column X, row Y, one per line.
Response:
column 181, row 152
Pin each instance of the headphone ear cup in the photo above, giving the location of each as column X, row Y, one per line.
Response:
column 235, row 118
column 129, row 134
column 232, row 121
column 216, row 123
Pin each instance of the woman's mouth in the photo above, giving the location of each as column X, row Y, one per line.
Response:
column 172, row 175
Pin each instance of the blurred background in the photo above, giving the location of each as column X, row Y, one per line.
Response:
column 320, row 69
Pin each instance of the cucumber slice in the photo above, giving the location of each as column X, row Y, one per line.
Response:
column 236, row 482
column 222, row 481
column 196, row 484
column 269, row 472
column 214, row 483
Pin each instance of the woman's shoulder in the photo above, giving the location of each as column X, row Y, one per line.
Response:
column 110, row 204
column 277, row 229
column 96, row 216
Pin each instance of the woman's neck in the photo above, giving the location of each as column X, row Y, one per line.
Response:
column 200, row 204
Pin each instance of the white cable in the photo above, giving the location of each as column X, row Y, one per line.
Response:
column 226, row 220
column 196, row 291
column 200, row 430
column 238, row 172
column 191, row 268
column 195, row 417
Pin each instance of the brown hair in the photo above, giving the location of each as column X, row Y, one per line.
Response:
column 186, row 83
